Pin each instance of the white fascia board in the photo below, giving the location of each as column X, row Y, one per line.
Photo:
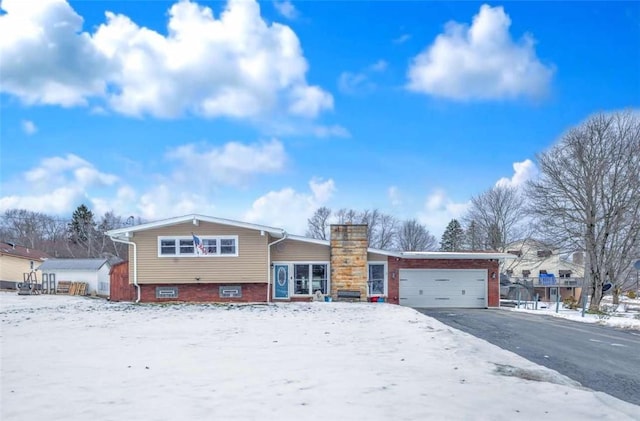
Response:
column 454, row 255
column 308, row 240
column 274, row 232
column 384, row 252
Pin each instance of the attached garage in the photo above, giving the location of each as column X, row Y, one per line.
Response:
column 434, row 279
column 443, row 288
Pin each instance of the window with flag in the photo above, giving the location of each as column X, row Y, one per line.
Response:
column 198, row 245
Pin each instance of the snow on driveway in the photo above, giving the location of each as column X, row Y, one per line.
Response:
column 72, row 358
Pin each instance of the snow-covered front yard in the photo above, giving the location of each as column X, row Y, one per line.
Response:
column 72, row 358
column 625, row 315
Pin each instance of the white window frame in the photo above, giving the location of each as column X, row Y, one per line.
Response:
column 385, row 281
column 292, row 279
column 176, row 239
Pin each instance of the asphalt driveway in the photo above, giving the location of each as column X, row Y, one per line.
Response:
column 599, row 357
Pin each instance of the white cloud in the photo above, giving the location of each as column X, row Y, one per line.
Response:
column 56, row 201
column 29, row 127
column 439, row 210
column 57, row 185
column 290, row 209
column 359, row 82
column 522, row 172
column 330, row 131
column 71, row 170
column 286, row 9
column 259, row 67
column 394, row 196
column 233, row 164
column 163, row 201
column 379, row 66
column 402, row 39
column 350, row 83
column 46, row 59
column 480, row 62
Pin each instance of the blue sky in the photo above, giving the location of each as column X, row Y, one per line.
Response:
column 265, row 111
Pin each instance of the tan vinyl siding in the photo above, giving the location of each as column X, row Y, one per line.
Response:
column 13, row 268
column 249, row 266
column 375, row 257
column 299, row 251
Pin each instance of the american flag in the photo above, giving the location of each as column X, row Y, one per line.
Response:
column 198, row 246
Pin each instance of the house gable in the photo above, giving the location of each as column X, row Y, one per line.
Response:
column 248, row 265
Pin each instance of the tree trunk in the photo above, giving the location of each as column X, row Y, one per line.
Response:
column 616, row 295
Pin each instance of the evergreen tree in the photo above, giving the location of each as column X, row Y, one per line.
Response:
column 82, row 230
column 473, row 237
column 453, row 237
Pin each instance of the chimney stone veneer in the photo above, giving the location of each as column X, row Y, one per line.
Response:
column 349, row 259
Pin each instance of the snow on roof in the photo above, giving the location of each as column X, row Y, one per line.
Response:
column 72, row 264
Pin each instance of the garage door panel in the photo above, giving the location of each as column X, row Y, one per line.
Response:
column 443, row 288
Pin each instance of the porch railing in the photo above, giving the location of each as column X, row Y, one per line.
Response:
column 549, row 282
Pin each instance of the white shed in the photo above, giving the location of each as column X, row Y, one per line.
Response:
column 95, row 272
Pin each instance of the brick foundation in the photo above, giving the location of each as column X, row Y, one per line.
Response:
column 203, row 293
column 396, row 263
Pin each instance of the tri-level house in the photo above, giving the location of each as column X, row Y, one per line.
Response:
column 203, row 258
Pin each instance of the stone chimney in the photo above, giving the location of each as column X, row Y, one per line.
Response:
column 349, row 245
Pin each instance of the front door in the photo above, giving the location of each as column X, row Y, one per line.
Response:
column 281, row 281
column 553, row 294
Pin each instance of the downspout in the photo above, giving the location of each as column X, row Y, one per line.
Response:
column 135, row 265
column 284, row 237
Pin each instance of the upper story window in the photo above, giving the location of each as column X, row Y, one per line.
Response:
column 212, row 246
column 544, row 253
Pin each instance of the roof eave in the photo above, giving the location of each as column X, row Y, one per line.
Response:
column 195, row 218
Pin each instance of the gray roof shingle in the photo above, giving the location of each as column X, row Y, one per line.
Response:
column 72, row 264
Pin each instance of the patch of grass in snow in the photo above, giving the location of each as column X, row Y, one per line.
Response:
column 534, row 375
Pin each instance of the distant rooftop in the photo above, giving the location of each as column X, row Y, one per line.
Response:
column 72, row 264
column 12, row 249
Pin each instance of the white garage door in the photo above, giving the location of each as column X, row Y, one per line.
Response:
column 443, row 288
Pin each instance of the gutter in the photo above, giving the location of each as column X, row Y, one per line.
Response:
column 284, row 237
column 135, row 265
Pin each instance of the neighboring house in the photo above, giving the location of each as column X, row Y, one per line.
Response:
column 202, row 258
column 550, row 274
column 95, row 272
column 16, row 261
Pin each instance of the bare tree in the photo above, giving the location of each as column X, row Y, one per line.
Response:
column 347, row 216
column 413, row 236
column 104, row 245
column 318, row 224
column 497, row 214
column 385, row 236
column 588, row 195
column 34, row 230
column 371, row 218
column 381, row 228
